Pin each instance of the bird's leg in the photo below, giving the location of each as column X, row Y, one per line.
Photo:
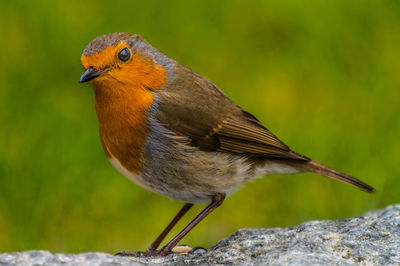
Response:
column 167, row 249
column 152, row 249
column 216, row 201
column 171, row 225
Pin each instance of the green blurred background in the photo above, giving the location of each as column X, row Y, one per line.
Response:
column 322, row 75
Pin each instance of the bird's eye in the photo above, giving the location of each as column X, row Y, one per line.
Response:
column 124, row 55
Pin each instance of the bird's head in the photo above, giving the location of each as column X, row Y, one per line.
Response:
column 122, row 60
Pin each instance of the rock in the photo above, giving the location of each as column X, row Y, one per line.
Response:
column 372, row 239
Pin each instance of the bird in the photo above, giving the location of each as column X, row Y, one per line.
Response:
column 175, row 133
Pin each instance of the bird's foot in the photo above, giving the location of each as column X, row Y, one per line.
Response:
column 180, row 250
column 148, row 253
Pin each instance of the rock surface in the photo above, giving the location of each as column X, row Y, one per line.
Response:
column 369, row 240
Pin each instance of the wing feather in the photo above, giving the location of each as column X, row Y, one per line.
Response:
column 239, row 135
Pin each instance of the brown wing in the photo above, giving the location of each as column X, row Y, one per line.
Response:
column 245, row 135
column 194, row 107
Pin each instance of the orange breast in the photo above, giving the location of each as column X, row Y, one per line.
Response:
column 122, row 100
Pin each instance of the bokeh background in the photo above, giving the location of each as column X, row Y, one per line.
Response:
column 322, row 75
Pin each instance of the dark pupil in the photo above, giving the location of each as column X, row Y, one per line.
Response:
column 124, row 55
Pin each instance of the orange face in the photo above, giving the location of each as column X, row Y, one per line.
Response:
column 118, row 64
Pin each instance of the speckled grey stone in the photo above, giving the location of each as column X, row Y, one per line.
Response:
column 41, row 257
column 369, row 240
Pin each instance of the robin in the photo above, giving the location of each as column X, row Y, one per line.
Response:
column 172, row 131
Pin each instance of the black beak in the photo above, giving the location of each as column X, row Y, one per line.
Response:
column 90, row 74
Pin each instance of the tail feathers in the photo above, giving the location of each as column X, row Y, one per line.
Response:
column 320, row 169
